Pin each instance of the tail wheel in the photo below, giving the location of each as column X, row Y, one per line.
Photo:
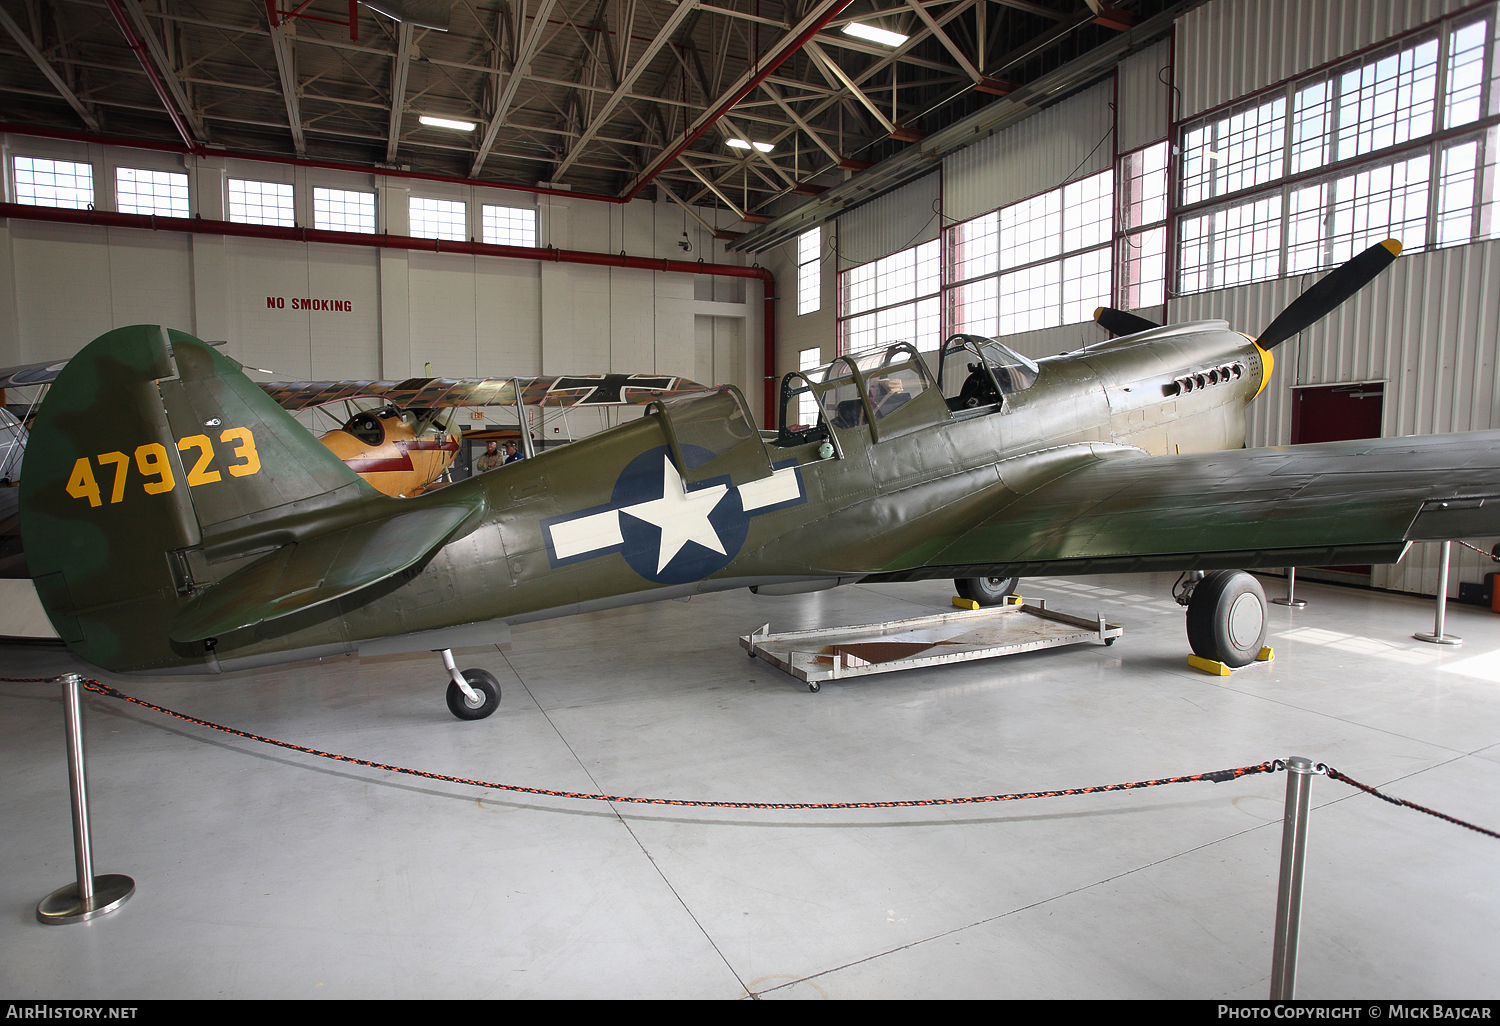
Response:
column 485, row 686
column 987, row 591
column 1226, row 618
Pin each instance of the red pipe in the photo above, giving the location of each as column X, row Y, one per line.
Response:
column 162, row 94
column 205, row 226
column 658, row 165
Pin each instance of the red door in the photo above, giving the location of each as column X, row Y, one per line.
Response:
column 1337, row 413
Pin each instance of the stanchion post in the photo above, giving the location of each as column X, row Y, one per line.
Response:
column 1437, row 637
column 1289, row 891
column 1291, row 599
column 90, row 896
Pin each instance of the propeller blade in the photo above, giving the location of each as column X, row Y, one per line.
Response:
column 1121, row 322
column 1328, row 292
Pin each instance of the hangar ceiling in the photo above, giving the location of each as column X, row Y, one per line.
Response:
column 610, row 97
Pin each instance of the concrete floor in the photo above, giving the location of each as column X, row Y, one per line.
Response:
column 266, row 873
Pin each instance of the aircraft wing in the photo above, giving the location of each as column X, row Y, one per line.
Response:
column 1329, row 503
column 41, row 373
column 440, row 393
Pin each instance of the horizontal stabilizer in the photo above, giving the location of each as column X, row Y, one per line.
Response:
column 305, row 574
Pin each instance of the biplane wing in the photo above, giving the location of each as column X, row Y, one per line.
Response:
column 441, row 393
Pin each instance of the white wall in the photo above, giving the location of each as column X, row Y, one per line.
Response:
column 63, row 285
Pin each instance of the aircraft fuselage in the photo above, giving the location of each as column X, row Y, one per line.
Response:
column 610, row 520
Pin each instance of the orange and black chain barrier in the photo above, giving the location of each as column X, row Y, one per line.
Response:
column 1334, row 774
column 1216, row 776
column 1486, row 553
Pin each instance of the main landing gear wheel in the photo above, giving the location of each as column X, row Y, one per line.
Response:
column 485, row 686
column 1226, row 618
column 987, row 591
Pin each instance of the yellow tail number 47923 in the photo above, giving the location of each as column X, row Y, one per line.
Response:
column 156, row 469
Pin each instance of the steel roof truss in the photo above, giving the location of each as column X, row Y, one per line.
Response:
column 47, row 70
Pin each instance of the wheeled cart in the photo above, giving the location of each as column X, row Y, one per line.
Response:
column 832, row 653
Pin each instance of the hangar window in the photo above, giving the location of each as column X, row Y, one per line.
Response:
column 1039, row 263
column 892, row 299
column 807, row 403
column 54, row 183
column 1142, row 252
column 809, row 271
column 1330, row 221
column 261, row 203
column 340, row 210
column 1231, row 245
column 1400, row 142
column 1235, row 151
column 509, row 226
column 439, row 219
column 164, row 193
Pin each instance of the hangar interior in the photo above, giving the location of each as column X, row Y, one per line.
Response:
column 1005, row 169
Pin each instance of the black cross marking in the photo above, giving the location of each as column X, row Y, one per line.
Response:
column 607, row 387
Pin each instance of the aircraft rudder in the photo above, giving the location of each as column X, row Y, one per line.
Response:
column 100, row 502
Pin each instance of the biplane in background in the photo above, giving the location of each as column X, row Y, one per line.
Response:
column 408, row 440
column 179, row 520
column 402, row 442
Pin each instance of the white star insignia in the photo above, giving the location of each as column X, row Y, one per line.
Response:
column 682, row 515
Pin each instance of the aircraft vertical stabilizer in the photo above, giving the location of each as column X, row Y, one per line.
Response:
column 163, row 487
column 103, row 495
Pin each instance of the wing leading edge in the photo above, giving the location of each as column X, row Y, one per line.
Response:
column 1339, row 502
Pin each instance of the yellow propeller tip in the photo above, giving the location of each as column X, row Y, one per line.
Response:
column 1393, row 246
column 1097, row 311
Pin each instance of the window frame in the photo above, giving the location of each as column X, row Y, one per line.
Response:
column 848, row 336
column 810, row 272
column 1294, row 178
column 501, row 228
column 290, row 211
column 463, row 219
column 1055, row 252
column 172, row 209
column 82, row 204
column 336, row 194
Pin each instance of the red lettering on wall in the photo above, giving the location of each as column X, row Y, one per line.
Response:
column 304, row 303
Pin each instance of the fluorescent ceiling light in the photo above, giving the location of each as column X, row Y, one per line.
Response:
column 874, row 35
column 462, row 126
column 741, row 144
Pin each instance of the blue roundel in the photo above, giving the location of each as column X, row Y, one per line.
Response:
column 671, row 536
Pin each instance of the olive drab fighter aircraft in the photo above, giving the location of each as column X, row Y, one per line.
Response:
column 178, row 519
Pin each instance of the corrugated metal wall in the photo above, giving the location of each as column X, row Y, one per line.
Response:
column 1228, row 49
column 1065, row 141
column 1144, row 115
column 1427, row 328
column 888, row 224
